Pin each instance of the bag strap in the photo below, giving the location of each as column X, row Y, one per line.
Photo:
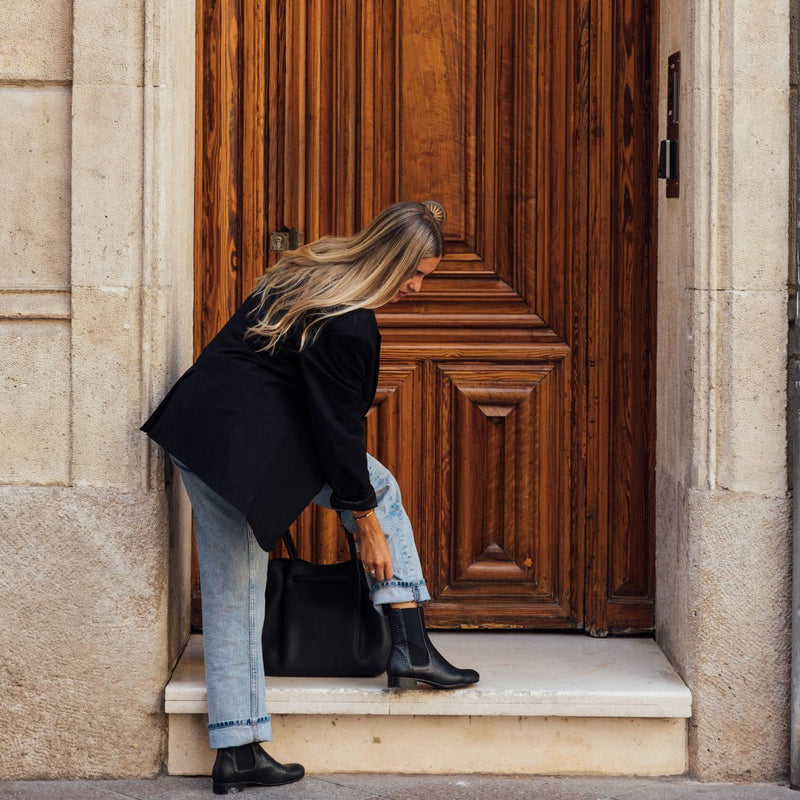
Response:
column 288, row 541
column 289, row 545
column 351, row 543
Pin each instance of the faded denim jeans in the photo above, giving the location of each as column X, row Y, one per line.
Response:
column 233, row 577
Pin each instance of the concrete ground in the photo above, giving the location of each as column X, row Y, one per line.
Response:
column 404, row 787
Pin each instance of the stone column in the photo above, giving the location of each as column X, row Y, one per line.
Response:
column 723, row 553
column 95, row 316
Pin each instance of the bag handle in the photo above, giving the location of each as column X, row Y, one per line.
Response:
column 354, row 560
column 288, row 543
column 292, row 550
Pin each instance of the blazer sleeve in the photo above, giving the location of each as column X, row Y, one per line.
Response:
column 335, row 370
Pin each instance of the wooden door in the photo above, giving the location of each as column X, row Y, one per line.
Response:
column 515, row 403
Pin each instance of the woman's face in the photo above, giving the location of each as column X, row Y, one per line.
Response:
column 414, row 284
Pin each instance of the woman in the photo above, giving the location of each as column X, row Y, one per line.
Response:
column 268, row 419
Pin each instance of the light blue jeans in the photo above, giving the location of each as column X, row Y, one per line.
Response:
column 233, row 578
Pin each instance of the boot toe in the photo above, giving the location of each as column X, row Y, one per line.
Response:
column 462, row 677
column 270, row 772
column 471, row 676
column 294, row 772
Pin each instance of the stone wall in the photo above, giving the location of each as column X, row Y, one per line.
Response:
column 97, row 100
column 723, row 532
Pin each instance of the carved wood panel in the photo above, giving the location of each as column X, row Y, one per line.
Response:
column 503, row 492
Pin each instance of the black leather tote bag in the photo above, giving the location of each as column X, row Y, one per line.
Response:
column 320, row 621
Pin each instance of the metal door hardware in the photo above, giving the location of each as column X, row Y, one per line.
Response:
column 285, row 239
column 668, row 154
column 668, row 160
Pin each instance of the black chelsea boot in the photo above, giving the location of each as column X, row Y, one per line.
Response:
column 414, row 658
column 250, row 765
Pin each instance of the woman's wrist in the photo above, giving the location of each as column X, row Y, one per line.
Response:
column 368, row 524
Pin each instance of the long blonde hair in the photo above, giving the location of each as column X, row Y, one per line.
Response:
column 334, row 275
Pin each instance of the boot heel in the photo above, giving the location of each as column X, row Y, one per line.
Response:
column 226, row 788
column 402, row 683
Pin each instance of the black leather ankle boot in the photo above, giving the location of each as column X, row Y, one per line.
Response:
column 414, row 658
column 249, row 765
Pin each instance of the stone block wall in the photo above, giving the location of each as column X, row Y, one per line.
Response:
column 35, row 103
column 97, row 98
column 723, row 532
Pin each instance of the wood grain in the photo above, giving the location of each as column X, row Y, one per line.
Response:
column 218, row 207
column 620, row 491
column 516, row 399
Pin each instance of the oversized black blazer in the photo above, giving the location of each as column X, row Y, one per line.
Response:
column 266, row 432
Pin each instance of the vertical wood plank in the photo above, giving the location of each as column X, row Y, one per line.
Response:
column 601, row 154
column 275, row 164
column 578, row 292
column 218, row 210
column 621, row 429
column 254, row 134
column 632, row 524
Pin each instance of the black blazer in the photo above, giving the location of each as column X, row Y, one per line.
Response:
column 267, row 432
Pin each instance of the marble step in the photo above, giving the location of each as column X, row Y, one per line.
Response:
column 546, row 704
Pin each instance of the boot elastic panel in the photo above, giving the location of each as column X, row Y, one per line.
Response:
column 415, row 636
column 244, row 756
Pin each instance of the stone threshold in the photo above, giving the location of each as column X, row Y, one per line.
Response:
column 547, row 704
column 522, row 674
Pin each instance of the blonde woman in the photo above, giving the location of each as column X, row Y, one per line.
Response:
column 269, row 419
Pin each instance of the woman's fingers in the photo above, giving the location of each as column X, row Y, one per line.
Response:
column 383, row 565
column 383, row 571
column 374, row 551
column 379, row 569
column 376, row 558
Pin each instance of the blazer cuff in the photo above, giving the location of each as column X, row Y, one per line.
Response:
column 340, row 504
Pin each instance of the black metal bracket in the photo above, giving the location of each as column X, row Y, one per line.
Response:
column 669, row 152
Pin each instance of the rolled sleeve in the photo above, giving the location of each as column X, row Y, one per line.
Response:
column 335, row 370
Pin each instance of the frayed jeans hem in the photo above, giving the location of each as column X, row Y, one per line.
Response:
column 238, row 732
column 393, row 591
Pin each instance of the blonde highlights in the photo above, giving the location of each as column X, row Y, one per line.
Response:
column 334, row 275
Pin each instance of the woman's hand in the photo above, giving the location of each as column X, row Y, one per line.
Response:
column 374, row 551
